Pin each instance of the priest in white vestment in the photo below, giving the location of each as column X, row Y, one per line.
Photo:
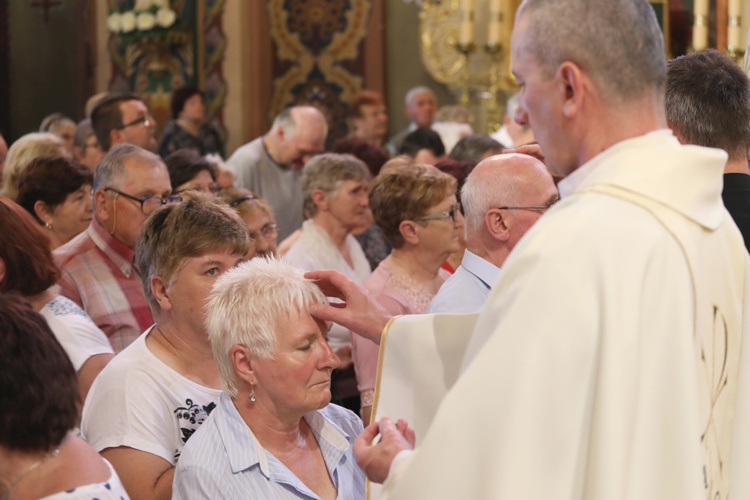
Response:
column 608, row 362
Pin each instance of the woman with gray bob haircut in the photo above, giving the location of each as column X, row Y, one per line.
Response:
column 273, row 422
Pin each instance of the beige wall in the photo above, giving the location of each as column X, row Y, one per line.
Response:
column 103, row 60
column 235, row 120
column 403, row 64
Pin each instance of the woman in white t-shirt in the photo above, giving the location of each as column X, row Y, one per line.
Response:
column 152, row 397
column 27, row 267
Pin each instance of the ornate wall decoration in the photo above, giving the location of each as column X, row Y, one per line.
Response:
column 210, row 71
column 154, row 62
column 318, row 58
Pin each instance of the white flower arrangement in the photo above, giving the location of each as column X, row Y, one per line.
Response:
column 145, row 16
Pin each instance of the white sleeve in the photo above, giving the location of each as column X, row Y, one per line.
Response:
column 79, row 336
column 125, row 407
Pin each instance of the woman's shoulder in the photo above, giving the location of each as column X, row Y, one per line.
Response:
column 87, row 475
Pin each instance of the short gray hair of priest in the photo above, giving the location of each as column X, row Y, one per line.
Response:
column 249, row 304
column 415, row 91
column 327, row 172
column 618, row 43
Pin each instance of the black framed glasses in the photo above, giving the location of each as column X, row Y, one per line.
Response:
column 146, row 120
column 270, row 231
column 148, row 203
column 236, row 202
column 448, row 214
column 537, row 207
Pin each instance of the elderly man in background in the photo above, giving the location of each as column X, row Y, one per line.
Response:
column 503, row 197
column 708, row 104
column 420, row 106
column 123, row 119
column 270, row 165
column 98, row 271
column 613, row 340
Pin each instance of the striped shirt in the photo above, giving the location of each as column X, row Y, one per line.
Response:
column 223, row 459
column 98, row 274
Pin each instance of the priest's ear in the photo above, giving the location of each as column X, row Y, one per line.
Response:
column 570, row 86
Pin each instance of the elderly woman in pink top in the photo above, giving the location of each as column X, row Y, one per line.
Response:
column 416, row 208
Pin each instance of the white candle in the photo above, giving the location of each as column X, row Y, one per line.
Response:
column 734, row 31
column 495, row 29
column 466, row 33
column 700, row 25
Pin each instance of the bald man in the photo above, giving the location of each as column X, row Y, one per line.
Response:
column 503, row 197
column 270, row 165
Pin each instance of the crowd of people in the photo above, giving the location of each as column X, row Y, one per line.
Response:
column 175, row 324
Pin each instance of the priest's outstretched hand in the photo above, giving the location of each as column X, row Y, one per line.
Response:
column 358, row 312
column 376, row 458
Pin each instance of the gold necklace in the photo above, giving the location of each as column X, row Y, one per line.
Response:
column 10, row 485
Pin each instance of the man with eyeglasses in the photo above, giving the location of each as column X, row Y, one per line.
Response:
column 502, row 198
column 98, row 271
column 270, row 165
column 123, row 119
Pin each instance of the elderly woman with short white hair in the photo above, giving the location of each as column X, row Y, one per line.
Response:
column 274, row 433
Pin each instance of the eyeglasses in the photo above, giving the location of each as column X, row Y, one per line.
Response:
column 449, row 214
column 148, row 203
column 269, row 232
column 539, row 207
column 236, row 202
column 147, row 121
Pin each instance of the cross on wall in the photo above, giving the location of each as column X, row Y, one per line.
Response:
column 46, row 5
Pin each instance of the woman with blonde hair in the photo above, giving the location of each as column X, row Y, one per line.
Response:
column 274, row 433
column 21, row 154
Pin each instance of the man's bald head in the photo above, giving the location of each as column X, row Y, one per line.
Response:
column 297, row 134
column 509, row 180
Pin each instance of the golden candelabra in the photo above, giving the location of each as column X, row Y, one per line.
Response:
column 456, row 51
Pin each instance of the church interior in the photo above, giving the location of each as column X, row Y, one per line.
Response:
column 300, row 248
column 253, row 58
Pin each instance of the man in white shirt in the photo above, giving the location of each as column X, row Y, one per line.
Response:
column 609, row 360
column 503, row 197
